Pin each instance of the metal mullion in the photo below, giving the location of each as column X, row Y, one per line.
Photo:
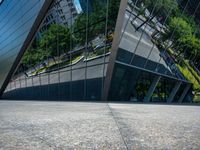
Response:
column 171, row 36
column 10, row 85
column 48, row 74
column 58, row 51
column 149, row 71
column 27, row 41
column 5, row 8
column 11, row 9
column 40, row 96
column 20, row 84
column 123, row 31
column 86, row 50
column 25, row 81
column 196, row 29
column 189, row 70
column 22, row 17
column 136, row 48
column 12, row 17
column 15, row 84
column 114, row 49
column 159, row 31
column 19, row 26
column 106, row 32
column 71, row 49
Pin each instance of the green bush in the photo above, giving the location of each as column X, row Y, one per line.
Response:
column 196, row 99
column 193, row 71
column 189, row 76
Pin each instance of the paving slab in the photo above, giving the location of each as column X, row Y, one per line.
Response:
column 57, row 125
column 34, row 125
column 163, row 127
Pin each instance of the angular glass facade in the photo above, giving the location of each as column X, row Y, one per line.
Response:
column 143, row 69
column 68, row 57
column 17, row 19
column 91, row 50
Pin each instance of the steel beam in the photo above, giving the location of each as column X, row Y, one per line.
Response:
column 174, row 91
column 152, row 88
column 114, row 49
column 187, row 88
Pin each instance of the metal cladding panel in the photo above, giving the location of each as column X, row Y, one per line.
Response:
column 18, row 18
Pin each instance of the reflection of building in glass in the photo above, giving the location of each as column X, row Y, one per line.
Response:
column 88, row 5
column 84, row 5
column 61, row 12
column 93, row 55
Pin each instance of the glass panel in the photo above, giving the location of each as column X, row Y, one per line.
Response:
column 129, row 84
column 71, row 49
column 153, row 40
column 163, row 90
column 17, row 19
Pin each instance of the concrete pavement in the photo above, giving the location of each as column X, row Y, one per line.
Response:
column 81, row 125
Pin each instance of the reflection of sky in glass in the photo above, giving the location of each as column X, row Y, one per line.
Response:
column 14, row 28
column 78, row 6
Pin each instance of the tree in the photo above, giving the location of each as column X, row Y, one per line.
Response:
column 159, row 8
column 56, row 39
column 162, row 6
column 178, row 28
column 54, row 42
column 34, row 56
column 94, row 23
column 113, row 10
column 90, row 24
column 190, row 45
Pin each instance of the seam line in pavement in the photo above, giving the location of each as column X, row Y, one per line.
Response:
column 120, row 132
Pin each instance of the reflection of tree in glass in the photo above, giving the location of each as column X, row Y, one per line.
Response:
column 58, row 40
column 56, row 37
column 95, row 21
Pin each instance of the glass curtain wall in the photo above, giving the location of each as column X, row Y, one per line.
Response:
column 68, row 58
column 16, row 19
column 154, row 40
column 163, row 90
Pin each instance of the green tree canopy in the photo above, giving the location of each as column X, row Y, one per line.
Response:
column 178, row 29
column 191, row 45
column 162, row 7
column 56, row 37
column 34, row 56
column 94, row 23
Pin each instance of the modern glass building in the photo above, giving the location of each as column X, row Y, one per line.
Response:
column 107, row 52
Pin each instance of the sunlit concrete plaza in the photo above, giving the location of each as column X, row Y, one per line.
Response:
column 48, row 125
